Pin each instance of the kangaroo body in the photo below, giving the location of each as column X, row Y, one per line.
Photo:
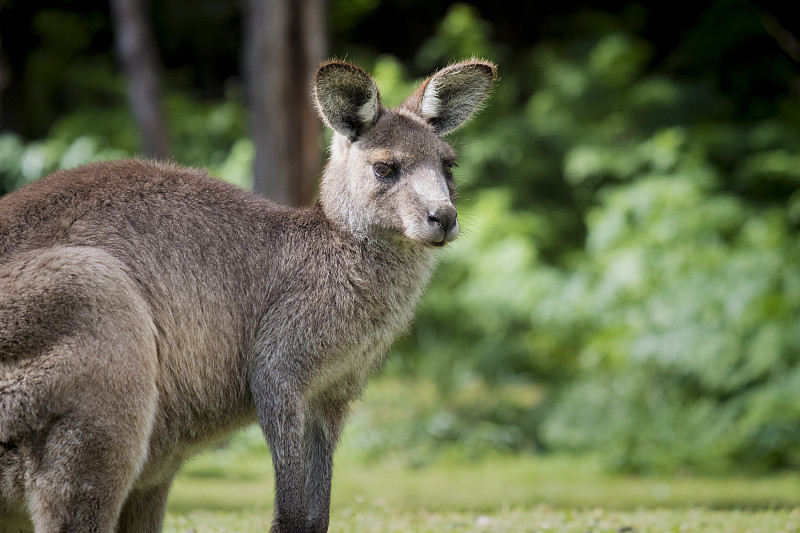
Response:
column 148, row 310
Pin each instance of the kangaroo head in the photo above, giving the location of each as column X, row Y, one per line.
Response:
column 390, row 172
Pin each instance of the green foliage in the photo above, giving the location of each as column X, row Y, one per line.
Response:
column 418, row 423
column 210, row 135
column 462, row 34
column 695, row 302
column 63, row 69
column 634, row 256
column 21, row 162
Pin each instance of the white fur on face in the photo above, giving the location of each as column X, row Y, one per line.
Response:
column 430, row 186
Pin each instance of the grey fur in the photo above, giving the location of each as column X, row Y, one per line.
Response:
column 451, row 96
column 347, row 98
column 148, row 310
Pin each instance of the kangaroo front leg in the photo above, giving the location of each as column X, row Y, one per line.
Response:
column 143, row 511
column 323, row 428
column 282, row 420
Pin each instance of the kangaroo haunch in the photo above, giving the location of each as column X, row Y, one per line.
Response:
column 148, row 310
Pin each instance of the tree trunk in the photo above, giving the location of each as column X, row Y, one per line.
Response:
column 137, row 54
column 284, row 43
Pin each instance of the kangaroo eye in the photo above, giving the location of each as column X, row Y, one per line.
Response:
column 448, row 167
column 384, row 170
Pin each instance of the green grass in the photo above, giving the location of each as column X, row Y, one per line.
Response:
column 538, row 519
column 231, row 490
column 222, row 491
column 497, row 483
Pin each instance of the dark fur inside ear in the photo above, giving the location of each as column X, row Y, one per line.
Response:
column 449, row 98
column 346, row 97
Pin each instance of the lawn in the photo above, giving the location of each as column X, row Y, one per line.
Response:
column 537, row 519
column 231, row 490
column 220, row 492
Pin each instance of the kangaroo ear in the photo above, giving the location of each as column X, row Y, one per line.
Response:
column 346, row 98
column 450, row 97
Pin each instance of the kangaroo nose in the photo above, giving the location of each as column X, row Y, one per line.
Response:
column 446, row 218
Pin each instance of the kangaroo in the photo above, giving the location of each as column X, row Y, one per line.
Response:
column 148, row 310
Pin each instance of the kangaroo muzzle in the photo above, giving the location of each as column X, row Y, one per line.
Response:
column 443, row 220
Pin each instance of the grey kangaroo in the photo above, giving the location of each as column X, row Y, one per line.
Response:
column 148, row 310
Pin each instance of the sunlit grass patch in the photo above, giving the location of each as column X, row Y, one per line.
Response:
column 372, row 518
column 482, row 486
column 217, row 522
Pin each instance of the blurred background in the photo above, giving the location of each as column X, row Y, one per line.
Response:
column 626, row 284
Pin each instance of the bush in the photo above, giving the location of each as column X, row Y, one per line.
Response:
column 695, row 303
column 209, row 135
column 634, row 259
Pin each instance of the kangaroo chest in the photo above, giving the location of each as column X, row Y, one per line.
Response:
column 335, row 338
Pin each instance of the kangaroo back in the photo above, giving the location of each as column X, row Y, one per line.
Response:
column 148, row 310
